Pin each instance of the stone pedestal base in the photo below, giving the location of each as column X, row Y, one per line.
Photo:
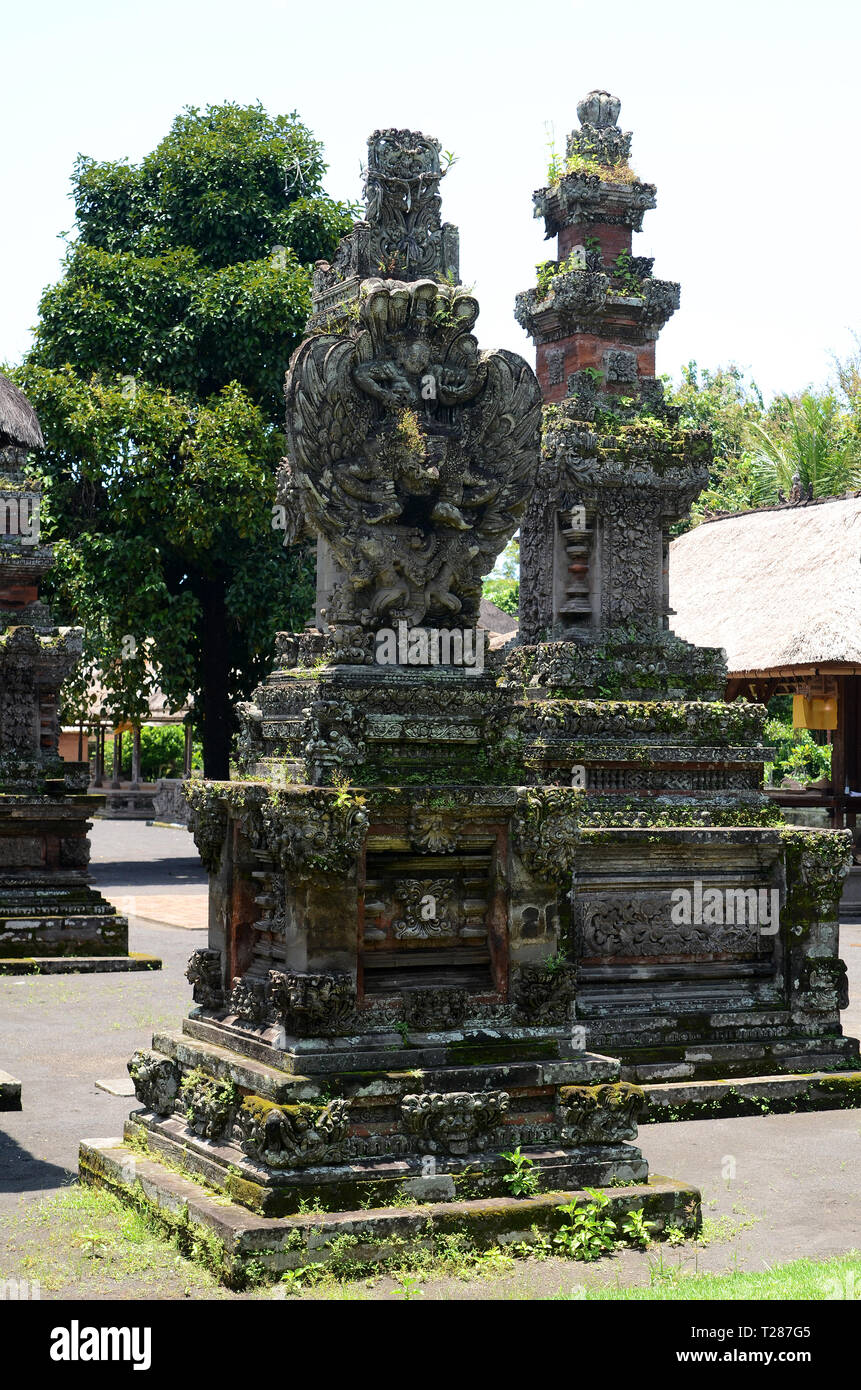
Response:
column 229, row 1238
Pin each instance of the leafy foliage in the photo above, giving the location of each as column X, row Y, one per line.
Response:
column 523, row 1181
column 809, row 439
column 799, row 756
column 156, row 373
column 589, row 1231
column 502, row 585
column 759, row 450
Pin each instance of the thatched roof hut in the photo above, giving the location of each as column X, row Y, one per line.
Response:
column 779, row 589
column 19, row 426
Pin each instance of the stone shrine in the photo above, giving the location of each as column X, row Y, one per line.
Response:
column 386, row 1005
column 672, row 808
column 51, row 918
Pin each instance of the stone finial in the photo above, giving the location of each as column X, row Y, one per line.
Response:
column 599, row 138
column 599, row 109
column 407, row 238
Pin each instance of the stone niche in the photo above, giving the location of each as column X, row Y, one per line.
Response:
column 388, row 993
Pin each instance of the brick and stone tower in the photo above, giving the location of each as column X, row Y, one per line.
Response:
column 616, row 470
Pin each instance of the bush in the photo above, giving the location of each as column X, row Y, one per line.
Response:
column 162, row 752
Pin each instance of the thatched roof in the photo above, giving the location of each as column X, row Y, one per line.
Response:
column 18, row 423
column 777, row 589
column 494, row 619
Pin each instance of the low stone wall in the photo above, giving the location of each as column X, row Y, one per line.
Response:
column 169, row 803
column 123, row 803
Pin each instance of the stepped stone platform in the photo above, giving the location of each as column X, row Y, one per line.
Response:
column 77, row 965
column 235, row 1238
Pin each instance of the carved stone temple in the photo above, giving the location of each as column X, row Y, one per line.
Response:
column 51, row 917
column 672, row 810
column 386, row 1005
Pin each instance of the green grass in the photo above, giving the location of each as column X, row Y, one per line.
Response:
column 809, row 1280
column 84, row 1243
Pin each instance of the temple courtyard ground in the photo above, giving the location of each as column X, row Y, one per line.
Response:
column 776, row 1188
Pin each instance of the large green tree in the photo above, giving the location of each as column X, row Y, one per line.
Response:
column 157, row 371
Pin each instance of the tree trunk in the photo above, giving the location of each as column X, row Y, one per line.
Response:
column 217, row 715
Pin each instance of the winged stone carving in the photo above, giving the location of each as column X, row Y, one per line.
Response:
column 411, row 452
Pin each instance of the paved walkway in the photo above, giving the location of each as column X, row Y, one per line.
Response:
column 150, row 872
column 782, row 1185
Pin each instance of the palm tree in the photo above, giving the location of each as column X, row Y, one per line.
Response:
column 808, row 446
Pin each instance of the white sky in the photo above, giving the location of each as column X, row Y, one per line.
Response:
column 745, row 114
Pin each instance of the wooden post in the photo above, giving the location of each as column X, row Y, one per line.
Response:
column 186, row 767
column 118, row 758
column 99, row 767
column 136, row 757
column 838, row 757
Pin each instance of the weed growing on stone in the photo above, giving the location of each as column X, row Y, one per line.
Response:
column 523, row 1182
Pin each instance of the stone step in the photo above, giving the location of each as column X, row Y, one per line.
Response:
column 291, row 1242
column 386, row 1052
column 224, row 1165
column 746, row 1095
column 77, row 965
column 272, row 1083
column 270, row 1080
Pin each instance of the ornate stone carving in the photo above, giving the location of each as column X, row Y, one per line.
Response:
column 427, row 908
column 313, row 1005
column 75, row 852
column 600, row 1114
column 640, row 924
column 156, row 1080
column 433, row 832
column 457, row 1122
column 210, row 1104
column 293, row 1136
column 337, row 740
column 544, row 996
column 546, row 830
column 207, row 820
column 412, row 453
column 248, row 1000
column 203, row 972
column 303, row 832
column 435, row 1010
column 825, row 980
column 403, row 205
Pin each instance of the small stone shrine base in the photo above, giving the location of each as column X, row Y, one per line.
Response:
column 245, row 1130
column 230, row 1239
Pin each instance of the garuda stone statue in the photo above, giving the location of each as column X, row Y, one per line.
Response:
column 412, row 453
